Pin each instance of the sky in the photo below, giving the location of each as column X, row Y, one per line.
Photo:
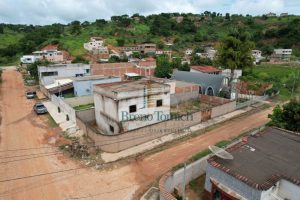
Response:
column 43, row 12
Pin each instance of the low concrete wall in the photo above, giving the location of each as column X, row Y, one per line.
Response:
column 169, row 181
column 181, row 97
column 76, row 101
column 64, row 107
column 125, row 140
column 223, row 109
column 87, row 115
column 116, row 143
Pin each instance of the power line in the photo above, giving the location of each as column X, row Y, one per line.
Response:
column 10, row 161
column 98, row 194
column 42, row 174
column 24, row 149
column 15, row 156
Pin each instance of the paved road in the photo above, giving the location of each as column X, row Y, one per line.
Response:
column 40, row 172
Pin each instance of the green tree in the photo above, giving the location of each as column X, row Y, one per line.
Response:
column 121, row 42
column 267, row 50
column 287, row 117
column 235, row 52
column 176, row 63
column 227, row 16
column 33, row 68
column 197, row 60
column 185, row 67
column 1, row 29
column 80, row 59
column 75, row 27
column 163, row 67
column 114, row 59
column 136, row 54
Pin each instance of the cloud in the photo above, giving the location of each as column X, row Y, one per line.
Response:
column 257, row 6
column 65, row 11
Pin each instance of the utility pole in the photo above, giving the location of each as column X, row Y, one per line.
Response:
column 295, row 82
column 183, row 185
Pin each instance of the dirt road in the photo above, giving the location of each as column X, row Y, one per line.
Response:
column 31, row 169
column 30, row 174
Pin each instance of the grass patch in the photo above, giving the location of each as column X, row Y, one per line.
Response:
column 84, row 107
column 280, row 75
column 200, row 155
column 223, row 143
column 51, row 121
column 68, row 95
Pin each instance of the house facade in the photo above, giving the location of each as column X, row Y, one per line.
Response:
column 257, row 56
column 129, row 105
column 188, row 52
column 83, row 86
column 47, row 74
column 209, row 53
column 282, row 54
column 96, row 46
column 143, row 48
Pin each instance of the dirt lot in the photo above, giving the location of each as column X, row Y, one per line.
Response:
column 32, row 169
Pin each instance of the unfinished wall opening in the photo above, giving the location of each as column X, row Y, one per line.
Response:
column 159, row 103
column 111, row 128
column 132, row 108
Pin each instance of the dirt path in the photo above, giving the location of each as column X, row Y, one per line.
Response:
column 22, row 129
column 43, row 173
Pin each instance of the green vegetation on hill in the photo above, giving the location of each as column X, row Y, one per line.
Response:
column 193, row 31
column 285, row 78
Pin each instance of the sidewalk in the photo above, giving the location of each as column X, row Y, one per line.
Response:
column 110, row 157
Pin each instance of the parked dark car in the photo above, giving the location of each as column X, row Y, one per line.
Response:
column 30, row 94
column 39, row 108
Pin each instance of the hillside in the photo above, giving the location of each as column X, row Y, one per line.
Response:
column 185, row 30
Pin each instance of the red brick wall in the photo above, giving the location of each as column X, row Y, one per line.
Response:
column 186, row 89
column 113, row 69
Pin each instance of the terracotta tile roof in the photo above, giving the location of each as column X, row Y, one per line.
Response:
column 206, row 69
column 269, row 161
column 149, row 59
column 50, row 47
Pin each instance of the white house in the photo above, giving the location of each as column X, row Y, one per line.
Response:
column 28, row 59
column 128, row 105
column 283, row 54
column 208, row 53
column 188, row 52
column 47, row 74
column 257, row 56
column 95, row 43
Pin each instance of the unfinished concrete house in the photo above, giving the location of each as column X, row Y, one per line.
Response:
column 125, row 106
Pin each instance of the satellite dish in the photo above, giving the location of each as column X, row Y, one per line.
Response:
column 221, row 153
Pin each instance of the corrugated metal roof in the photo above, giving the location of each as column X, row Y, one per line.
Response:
column 202, row 79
